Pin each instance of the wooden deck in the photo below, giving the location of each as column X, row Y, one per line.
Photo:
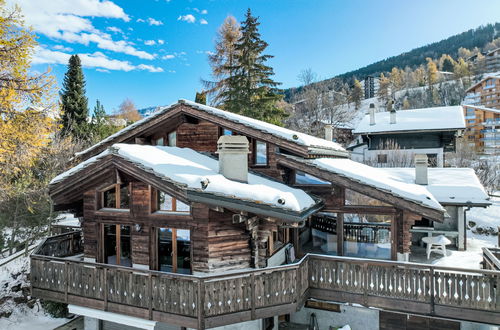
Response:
column 215, row 300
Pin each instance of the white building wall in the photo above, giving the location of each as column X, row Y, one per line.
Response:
column 363, row 155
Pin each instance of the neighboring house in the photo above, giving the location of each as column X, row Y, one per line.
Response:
column 393, row 138
column 482, row 129
column 195, row 217
column 485, row 93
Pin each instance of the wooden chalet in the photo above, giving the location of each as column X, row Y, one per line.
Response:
column 184, row 213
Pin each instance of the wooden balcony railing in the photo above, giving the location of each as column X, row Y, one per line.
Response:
column 491, row 258
column 215, row 300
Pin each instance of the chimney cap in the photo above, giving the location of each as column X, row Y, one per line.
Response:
column 232, row 144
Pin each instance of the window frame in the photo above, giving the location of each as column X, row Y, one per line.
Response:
column 382, row 159
column 254, row 153
column 117, row 187
column 155, row 207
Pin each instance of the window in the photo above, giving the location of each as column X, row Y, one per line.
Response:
column 226, row 131
column 172, row 139
column 307, row 179
column 167, row 203
column 382, row 159
column 278, row 239
column 116, row 197
column 260, row 153
column 160, row 142
column 174, row 250
column 117, row 246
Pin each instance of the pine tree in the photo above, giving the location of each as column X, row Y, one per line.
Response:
column 98, row 121
column 446, row 63
column 74, row 101
column 251, row 90
column 357, row 94
column 223, row 60
column 201, row 98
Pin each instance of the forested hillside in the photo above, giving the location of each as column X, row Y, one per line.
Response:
column 470, row 39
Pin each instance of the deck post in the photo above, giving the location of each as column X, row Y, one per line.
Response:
column 66, row 282
column 365, row 284
column 431, row 273
column 252, row 298
column 105, row 289
column 201, row 304
column 150, row 293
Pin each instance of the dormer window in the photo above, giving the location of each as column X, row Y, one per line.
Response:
column 166, row 140
column 160, row 142
column 116, row 196
column 172, row 139
column 260, row 153
column 167, row 203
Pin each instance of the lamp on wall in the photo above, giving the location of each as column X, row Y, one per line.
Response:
column 138, row 227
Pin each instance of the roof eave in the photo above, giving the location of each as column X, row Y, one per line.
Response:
column 261, row 209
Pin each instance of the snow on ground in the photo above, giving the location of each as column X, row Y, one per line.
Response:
column 13, row 282
column 484, row 217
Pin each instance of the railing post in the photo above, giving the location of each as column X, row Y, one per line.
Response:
column 150, row 293
column 66, row 282
column 105, row 289
column 431, row 273
column 365, row 283
column 252, row 297
column 298, row 287
column 201, row 304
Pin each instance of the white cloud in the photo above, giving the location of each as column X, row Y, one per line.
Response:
column 140, row 20
column 63, row 48
column 149, row 68
column 187, row 18
column 150, row 42
column 69, row 21
column 102, row 70
column 203, row 21
column 168, row 57
column 152, row 21
column 161, row 41
column 204, row 12
column 95, row 60
column 114, row 29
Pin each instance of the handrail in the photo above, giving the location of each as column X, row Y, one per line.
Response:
column 490, row 256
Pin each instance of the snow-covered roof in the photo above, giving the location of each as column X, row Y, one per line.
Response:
column 481, row 108
column 447, row 185
column 188, row 168
column 378, row 178
column 313, row 143
column 437, row 118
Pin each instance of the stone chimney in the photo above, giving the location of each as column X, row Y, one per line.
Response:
column 372, row 113
column 233, row 157
column 393, row 116
column 329, row 132
column 421, row 169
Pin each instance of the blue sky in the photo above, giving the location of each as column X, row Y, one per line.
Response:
column 155, row 52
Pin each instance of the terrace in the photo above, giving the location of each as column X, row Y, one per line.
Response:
column 206, row 301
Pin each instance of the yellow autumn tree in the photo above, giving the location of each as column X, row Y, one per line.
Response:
column 25, row 125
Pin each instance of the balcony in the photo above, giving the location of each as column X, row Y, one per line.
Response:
column 207, row 301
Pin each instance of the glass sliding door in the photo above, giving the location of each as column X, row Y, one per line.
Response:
column 174, row 250
column 117, row 245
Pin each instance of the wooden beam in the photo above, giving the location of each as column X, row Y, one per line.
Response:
column 361, row 209
column 362, row 188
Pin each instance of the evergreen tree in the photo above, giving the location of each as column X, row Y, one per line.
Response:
column 447, row 65
column 357, row 94
column 74, row 101
column 201, row 98
column 98, row 125
column 251, row 90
